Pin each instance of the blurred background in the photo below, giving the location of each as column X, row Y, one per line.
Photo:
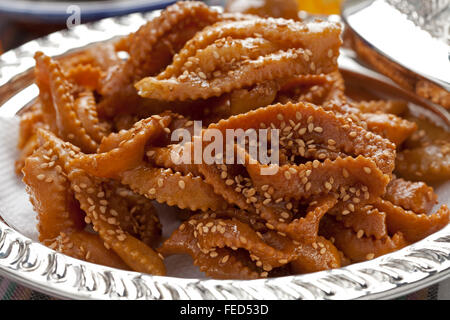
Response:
column 24, row 20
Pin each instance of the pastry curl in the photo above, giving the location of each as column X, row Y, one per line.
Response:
column 317, row 37
column 166, row 186
column 324, row 130
column 151, row 49
column 87, row 246
column 338, row 187
column 132, row 251
column 122, row 151
column 223, row 264
column 60, row 103
column 364, row 220
column 91, row 194
column 50, row 194
column 279, row 65
column 396, row 107
column 429, row 163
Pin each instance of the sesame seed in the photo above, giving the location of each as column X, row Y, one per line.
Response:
column 40, row 177
column 367, row 170
column 360, row 234
column 308, row 186
column 267, row 267
column 318, row 129
column 181, row 184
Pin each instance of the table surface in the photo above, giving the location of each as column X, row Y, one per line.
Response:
column 14, row 34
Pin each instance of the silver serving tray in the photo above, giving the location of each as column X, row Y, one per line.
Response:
column 36, row 266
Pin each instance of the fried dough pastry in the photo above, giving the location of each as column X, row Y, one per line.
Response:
column 396, row 107
column 61, row 221
column 93, row 205
column 208, row 236
column 415, row 196
column 412, row 225
column 341, row 180
column 360, row 248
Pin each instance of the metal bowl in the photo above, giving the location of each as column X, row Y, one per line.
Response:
column 34, row 265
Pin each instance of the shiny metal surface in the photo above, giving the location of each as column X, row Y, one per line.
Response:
column 43, row 269
column 413, row 36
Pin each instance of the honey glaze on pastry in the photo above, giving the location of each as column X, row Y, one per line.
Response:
column 97, row 151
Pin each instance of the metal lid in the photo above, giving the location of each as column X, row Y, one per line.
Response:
column 407, row 40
